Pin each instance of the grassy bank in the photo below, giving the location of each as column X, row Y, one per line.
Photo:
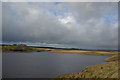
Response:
column 105, row 70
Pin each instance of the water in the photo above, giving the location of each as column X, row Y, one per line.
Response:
column 45, row 65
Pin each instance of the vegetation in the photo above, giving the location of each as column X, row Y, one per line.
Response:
column 21, row 48
column 24, row 48
column 105, row 70
column 17, row 48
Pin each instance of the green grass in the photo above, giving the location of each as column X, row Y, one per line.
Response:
column 17, row 48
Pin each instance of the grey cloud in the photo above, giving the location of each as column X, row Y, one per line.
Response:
column 37, row 23
column 91, row 10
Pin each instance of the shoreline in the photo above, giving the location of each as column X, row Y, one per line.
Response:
column 104, row 70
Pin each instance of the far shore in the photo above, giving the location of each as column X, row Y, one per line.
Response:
column 105, row 70
column 25, row 48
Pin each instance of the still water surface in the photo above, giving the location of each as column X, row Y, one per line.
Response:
column 45, row 65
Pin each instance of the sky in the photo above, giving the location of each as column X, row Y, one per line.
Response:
column 78, row 24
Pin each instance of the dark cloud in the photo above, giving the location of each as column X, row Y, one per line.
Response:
column 78, row 24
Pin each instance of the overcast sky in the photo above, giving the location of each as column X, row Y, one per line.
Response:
column 82, row 24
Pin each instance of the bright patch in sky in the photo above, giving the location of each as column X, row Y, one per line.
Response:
column 67, row 19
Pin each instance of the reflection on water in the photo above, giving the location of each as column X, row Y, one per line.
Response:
column 45, row 65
